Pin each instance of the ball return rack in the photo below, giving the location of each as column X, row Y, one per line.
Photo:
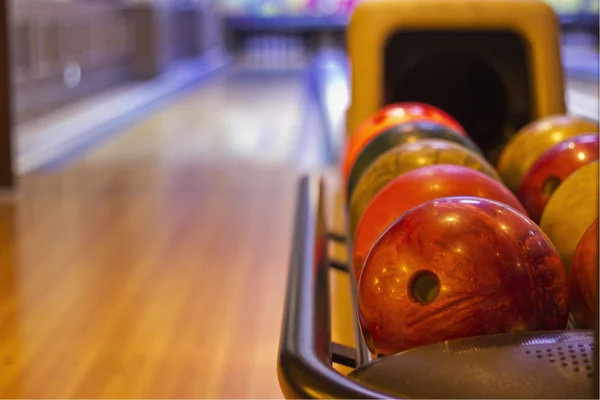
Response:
column 554, row 364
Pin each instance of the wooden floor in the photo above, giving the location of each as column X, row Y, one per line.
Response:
column 155, row 266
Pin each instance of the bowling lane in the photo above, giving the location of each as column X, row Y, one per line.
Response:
column 230, row 121
column 155, row 265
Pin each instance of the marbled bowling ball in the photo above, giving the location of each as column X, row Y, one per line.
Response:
column 459, row 267
column 533, row 140
column 552, row 168
column 409, row 132
column 390, row 116
column 416, row 187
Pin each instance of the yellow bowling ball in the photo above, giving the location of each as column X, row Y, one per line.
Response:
column 529, row 143
column 571, row 210
column 404, row 158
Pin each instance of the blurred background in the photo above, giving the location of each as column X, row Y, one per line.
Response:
column 139, row 52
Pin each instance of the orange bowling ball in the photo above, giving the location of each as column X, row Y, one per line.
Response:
column 418, row 186
column 553, row 167
column 389, row 116
column 459, row 267
column 584, row 278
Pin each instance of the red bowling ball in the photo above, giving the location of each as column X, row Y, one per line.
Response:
column 553, row 167
column 416, row 187
column 583, row 282
column 459, row 267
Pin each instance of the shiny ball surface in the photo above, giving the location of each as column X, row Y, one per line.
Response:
column 527, row 145
column 410, row 132
column 389, row 116
column 416, row 187
column 584, row 277
column 405, row 158
column 552, row 168
column 571, row 210
column 459, row 267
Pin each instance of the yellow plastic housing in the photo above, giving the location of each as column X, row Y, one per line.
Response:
column 375, row 21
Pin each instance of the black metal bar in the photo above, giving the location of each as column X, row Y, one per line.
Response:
column 339, row 265
column 337, row 237
column 305, row 349
column 344, row 355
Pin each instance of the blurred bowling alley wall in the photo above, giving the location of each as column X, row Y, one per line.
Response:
column 66, row 50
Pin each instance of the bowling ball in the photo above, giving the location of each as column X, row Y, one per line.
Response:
column 581, row 313
column 390, row 116
column 459, row 267
column 584, row 278
column 571, row 210
column 404, row 158
column 416, row 187
column 409, row 132
column 553, row 167
column 529, row 143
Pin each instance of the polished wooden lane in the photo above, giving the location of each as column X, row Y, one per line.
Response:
column 155, row 266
